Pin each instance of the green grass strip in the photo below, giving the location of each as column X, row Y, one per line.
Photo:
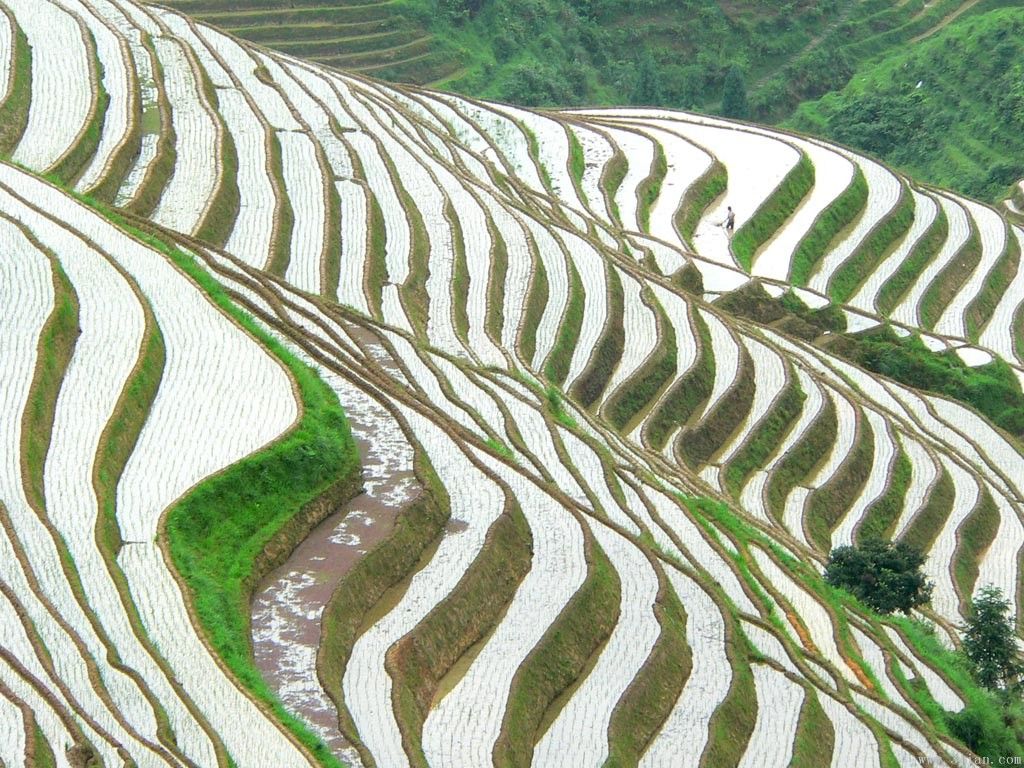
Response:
column 840, row 213
column 558, row 660
column 646, row 384
column 56, row 346
column 774, row 212
column 42, row 753
column 536, row 301
column 18, row 99
column 925, row 526
column 75, row 161
column 284, row 215
column 733, row 721
column 577, row 160
column 946, row 284
column 801, row 459
column 460, row 276
column 692, row 389
column 496, row 286
column 881, row 516
column 414, row 290
column 996, row 283
column 161, row 170
column 924, row 252
column 379, row 572
column 556, row 368
column 974, row 537
column 222, row 214
column 827, row 504
column 815, row 736
column 237, row 525
column 332, row 242
column 869, row 254
column 701, row 442
column 608, row 352
column 699, row 197
column 653, row 693
column 376, row 274
column 612, row 178
column 766, row 436
column 650, row 188
column 422, row 661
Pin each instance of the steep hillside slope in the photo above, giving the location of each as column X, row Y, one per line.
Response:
column 629, row 459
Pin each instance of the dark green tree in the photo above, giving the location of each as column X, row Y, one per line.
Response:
column 989, row 642
column 884, row 576
column 648, row 91
column 734, row 94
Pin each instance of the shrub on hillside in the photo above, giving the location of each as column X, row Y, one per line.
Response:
column 884, row 576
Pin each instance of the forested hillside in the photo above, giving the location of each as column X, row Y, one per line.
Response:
column 750, row 59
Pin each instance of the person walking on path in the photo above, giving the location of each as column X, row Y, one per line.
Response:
column 730, row 220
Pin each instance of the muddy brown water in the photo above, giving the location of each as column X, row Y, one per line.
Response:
column 288, row 605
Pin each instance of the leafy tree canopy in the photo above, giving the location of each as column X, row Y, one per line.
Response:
column 884, row 576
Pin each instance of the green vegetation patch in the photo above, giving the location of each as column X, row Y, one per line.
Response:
column 558, row 660
column 840, row 213
column 991, row 389
column 56, row 346
column 614, row 173
column 774, row 212
column 766, row 436
column 460, row 276
column 650, row 188
column 946, row 109
column 161, row 170
column 496, row 288
column 928, row 522
column 828, row 503
column 815, row 736
column 376, row 274
column 577, row 160
column 414, row 290
column 924, row 252
column 76, row 160
column 876, row 246
column 420, row 661
column 699, row 443
column 733, row 721
column 698, row 198
column 608, row 351
column 234, row 527
column 881, row 516
column 556, row 368
column 18, row 99
column 222, row 214
column 380, row 571
column 995, row 285
column 284, row 216
column 949, row 281
column 687, row 394
column 645, row 385
column 536, row 301
column 974, row 536
column 654, row 691
column 803, row 457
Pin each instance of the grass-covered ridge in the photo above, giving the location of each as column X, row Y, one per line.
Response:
column 232, row 528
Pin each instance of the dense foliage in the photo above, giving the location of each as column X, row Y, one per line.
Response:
column 992, row 389
column 989, row 640
column 949, row 110
column 884, row 576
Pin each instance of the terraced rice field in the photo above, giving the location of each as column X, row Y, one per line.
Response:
column 594, row 498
